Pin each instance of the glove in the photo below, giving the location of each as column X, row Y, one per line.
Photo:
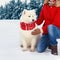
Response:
column 36, row 31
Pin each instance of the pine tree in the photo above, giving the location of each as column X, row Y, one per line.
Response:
column 13, row 10
column 17, row 10
column 1, row 12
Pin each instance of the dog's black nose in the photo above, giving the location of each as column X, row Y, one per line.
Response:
column 32, row 19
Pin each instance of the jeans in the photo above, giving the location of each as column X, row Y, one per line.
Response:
column 48, row 39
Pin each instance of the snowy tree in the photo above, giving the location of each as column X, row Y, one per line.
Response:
column 14, row 9
column 1, row 12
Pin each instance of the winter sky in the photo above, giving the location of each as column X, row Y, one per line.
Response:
column 3, row 2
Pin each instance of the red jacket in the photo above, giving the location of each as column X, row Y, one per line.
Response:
column 51, row 15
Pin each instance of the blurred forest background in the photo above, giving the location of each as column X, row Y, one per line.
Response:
column 13, row 9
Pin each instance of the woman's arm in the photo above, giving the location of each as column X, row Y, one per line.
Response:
column 40, row 18
column 38, row 22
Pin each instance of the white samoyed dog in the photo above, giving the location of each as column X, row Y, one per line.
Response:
column 27, row 25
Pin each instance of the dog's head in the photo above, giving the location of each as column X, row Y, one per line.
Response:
column 28, row 16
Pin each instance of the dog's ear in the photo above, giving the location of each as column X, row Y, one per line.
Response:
column 24, row 11
column 34, row 10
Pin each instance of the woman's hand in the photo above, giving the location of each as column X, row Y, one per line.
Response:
column 36, row 31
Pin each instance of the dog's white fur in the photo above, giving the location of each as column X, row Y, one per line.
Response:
column 26, row 37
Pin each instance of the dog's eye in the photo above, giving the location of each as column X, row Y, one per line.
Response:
column 29, row 16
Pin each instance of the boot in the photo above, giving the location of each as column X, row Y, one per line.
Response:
column 49, row 46
column 54, row 50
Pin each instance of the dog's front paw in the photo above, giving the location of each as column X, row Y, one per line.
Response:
column 24, row 49
column 21, row 46
column 32, row 50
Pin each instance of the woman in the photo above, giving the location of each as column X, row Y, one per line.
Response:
column 50, row 13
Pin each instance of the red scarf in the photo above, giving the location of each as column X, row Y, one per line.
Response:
column 27, row 26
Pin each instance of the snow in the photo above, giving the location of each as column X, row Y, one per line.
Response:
column 10, row 44
column 25, row 0
column 4, row 2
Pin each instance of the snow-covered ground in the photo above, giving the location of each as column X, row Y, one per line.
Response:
column 10, row 44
